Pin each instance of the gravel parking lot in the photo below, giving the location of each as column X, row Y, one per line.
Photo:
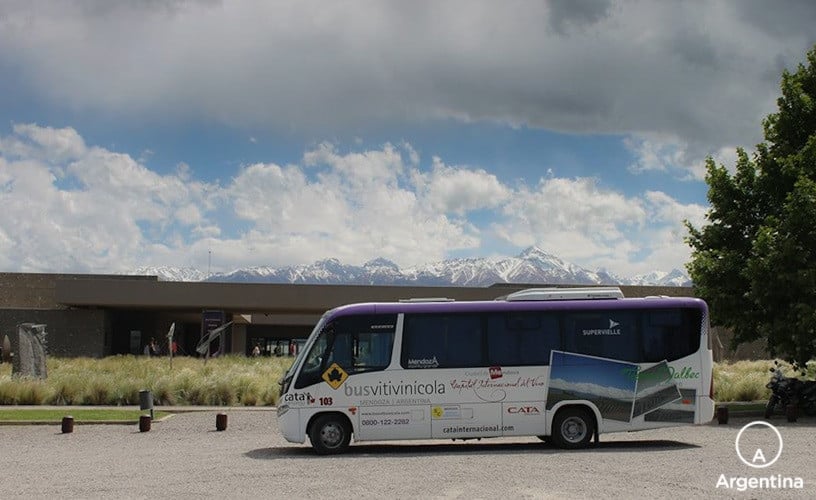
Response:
column 185, row 457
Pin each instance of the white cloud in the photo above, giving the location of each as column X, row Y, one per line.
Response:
column 95, row 224
column 666, row 209
column 47, row 144
column 655, row 153
column 569, row 217
column 660, row 244
column 459, row 190
column 680, row 81
column 659, row 153
column 370, row 167
column 353, row 207
column 96, row 210
column 705, row 73
column 599, row 228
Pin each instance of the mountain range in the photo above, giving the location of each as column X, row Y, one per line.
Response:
column 532, row 266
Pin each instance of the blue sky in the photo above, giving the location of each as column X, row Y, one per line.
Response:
column 256, row 133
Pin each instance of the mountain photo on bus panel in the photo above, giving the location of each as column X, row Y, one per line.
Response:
column 655, row 388
column 606, row 383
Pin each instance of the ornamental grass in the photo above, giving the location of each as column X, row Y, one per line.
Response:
column 238, row 380
column 117, row 380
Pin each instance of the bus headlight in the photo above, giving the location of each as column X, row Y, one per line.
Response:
column 282, row 409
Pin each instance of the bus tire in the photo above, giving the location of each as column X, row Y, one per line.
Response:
column 573, row 428
column 330, row 434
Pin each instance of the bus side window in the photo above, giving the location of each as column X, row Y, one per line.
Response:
column 443, row 341
column 372, row 350
column 670, row 334
column 464, row 341
column 516, row 339
column 535, row 345
column 606, row 334
column 341, row 351
column 423, row 342
column 363, row 343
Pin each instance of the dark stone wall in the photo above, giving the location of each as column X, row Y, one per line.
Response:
column 71, row 333
column 28, row 290
column 38, row 290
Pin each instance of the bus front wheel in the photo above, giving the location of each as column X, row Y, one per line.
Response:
column 573, row 428
column 330, row 434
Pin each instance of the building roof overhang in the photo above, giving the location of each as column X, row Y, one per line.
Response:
column 271, row 298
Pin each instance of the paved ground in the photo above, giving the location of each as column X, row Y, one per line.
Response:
column 185, row 457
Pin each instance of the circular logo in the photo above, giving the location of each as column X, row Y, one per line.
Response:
column 759, row 450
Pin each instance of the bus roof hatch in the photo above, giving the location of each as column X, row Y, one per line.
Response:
column 565, row 294
column 428, row 299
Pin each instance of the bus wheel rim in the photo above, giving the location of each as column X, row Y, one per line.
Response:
column 573, row 429
column 331, row 435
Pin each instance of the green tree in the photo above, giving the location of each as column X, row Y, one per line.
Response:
column 754, row 261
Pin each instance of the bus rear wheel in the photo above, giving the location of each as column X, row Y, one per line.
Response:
column 330, row 434
column 573, row 428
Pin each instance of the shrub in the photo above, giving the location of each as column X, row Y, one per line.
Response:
column 24, row 391
column 9, row 391
column 235, row 379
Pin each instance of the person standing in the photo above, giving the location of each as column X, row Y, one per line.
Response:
column 151, row 348
column 155, row 350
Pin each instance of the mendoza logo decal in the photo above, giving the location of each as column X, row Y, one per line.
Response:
column 335, row 376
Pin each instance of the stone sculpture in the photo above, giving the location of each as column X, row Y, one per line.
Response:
column 29, row 347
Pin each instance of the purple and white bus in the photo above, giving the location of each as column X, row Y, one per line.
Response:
column 563, row 364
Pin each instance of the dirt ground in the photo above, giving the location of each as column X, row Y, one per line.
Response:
column 185, row 457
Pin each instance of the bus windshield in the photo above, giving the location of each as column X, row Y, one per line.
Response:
column 306, row 348
column 356, row 344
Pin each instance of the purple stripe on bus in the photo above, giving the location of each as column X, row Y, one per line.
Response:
column 532, row 305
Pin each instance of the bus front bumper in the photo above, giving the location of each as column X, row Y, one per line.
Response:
column 290, row 425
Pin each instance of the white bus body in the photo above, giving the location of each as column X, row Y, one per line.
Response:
column 564, row 370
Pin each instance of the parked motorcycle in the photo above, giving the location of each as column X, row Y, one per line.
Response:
column 807, row 397
column 787, row 391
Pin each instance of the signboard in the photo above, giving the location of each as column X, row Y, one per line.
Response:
column 208, row 339
column 211, row 320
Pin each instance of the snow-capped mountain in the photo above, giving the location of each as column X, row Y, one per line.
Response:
column 165, row 273
column 674, row 278
column 532, row 266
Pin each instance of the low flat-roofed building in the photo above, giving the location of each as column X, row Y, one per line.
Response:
column 102, row 315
